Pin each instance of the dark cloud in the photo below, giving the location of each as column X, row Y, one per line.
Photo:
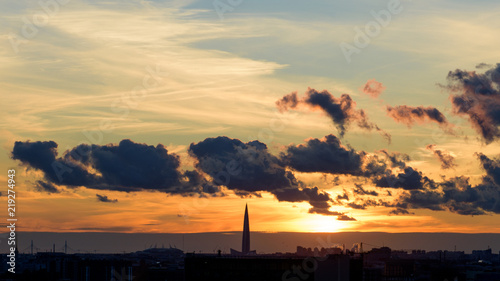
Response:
column 133, row 166
column 288, row 102
column 246, row 168
column 46, row 187
column 359, row 206
column 249, row 168
column 241, row 166
column 345, row 218
column 342, row 111
column 459, row 196
column 42, row 155
column 373, row 88
column 484, row 65
column 492, row 168
column 325, row 155
column 477, row 96
column 409, row 115
column 409, row 179
column 328, row 155
column 319, row 200
column 397, row 160
column 105, row 199
column 344, row 196
column 361, row 203
column 375, row 165
column 38, row 155
column 127, row 166
column 399, row 212
column 359, row 190
column 446, row 159
column 467, row 201
column 428, row 199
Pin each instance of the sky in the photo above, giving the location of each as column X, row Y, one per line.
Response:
column 325, row 116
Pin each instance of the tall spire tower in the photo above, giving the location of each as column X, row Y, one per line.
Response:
column 245, row 245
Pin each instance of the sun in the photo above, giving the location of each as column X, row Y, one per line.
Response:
column 319, row 223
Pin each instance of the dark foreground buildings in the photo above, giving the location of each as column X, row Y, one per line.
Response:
column 334, row 264
column 267, row 267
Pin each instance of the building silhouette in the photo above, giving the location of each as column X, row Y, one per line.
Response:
column 245, row 243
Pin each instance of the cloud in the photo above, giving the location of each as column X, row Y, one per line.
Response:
column 127, row 166
column 246, row 168
column 249, row 168
column 459, row 196
column 477, row 96
column 326, row 155
column 399, row 211
column 492, row 168
column 46, row 187
column 345, row 218
column 241, row 166
column 397, row 159
column 344, row 196
column 462, row 201
column 342, row 111
column 483, row 65
column 359, row 190
column 409, row 179
column 373, row 88
column 446, row 159
column 360, row 206
column 319, row 200
column 42, row 155
column 409, row 115
column 105, row 199
column 290, row 101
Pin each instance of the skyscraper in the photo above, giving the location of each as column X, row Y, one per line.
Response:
column 245, row 245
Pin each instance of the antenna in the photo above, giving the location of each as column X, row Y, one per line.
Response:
column 65, row 247
column 31, row 247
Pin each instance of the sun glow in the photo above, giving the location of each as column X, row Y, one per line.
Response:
column 319, row 223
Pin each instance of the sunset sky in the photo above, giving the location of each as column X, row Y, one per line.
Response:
column 322, row 116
